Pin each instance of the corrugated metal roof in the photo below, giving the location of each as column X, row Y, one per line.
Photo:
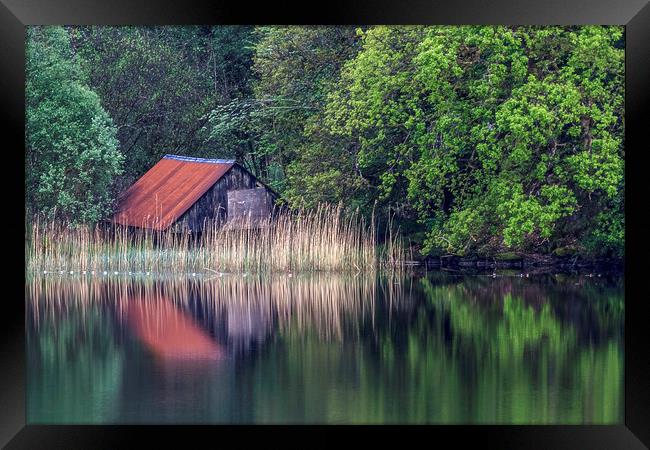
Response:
column 167, row 190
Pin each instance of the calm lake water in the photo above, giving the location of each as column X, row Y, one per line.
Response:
column 438, row 348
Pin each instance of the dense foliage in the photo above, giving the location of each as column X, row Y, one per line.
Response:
column 492, row 136
column 71, row 154
column 475, row 139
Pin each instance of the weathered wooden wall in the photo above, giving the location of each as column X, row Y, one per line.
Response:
column 214, row 203
column 249, row 204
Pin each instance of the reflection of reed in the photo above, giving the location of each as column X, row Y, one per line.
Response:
column 248, row 307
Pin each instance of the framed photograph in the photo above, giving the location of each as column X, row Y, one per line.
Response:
column 403, row 214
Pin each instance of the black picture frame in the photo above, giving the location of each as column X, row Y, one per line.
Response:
column 634, row 14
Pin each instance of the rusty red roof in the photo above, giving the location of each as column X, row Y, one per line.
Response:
column 167, row 190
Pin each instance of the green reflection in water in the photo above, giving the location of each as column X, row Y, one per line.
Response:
column 434, row 349
column 452, row 359
column 75, row 368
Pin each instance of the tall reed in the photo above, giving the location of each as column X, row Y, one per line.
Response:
column 327, row 238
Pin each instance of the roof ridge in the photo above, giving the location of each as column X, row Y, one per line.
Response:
column 200, row 160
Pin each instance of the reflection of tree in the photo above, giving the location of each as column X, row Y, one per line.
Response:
column 447, row 359
column 75, row 367
column 440, row 349
column 595, row 306
column 531, row 366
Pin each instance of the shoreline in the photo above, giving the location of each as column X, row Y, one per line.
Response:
column 524, row 261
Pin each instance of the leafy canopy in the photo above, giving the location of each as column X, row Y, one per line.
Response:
column 71, row 150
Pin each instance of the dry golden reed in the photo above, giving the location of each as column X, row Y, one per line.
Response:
column 324, row 239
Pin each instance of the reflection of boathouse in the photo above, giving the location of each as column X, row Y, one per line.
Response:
column 181, row 193
column 169, row 332
column 212, row 320
column 247, row 324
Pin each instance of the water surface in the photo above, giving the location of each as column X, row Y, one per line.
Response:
column 442, row 348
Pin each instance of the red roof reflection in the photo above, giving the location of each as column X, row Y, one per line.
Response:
column 169, row 332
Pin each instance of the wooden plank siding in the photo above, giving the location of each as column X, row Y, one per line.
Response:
column 214, row 203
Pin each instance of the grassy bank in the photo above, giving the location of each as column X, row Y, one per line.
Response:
column 325, row 239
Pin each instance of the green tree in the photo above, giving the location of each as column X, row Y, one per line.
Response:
column 71, row 149
column 276, row 131
column 496, row 137
column 159, row 83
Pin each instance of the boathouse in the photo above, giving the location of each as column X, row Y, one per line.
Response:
column 181, row 193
